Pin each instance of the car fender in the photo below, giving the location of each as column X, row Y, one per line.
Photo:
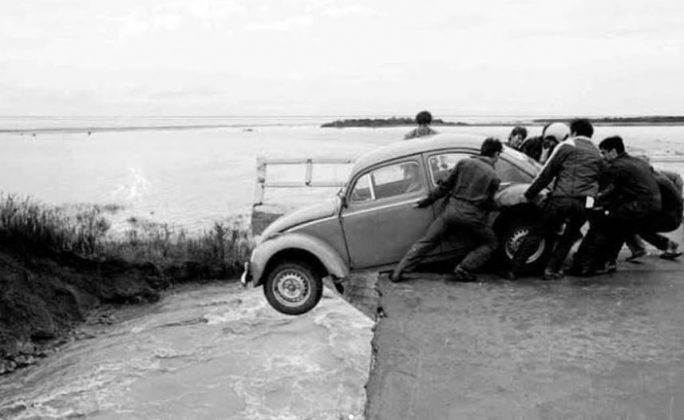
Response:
column 514, row 194
column 326, row 255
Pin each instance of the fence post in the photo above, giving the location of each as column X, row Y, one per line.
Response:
column 309, row 172
column 261, row 181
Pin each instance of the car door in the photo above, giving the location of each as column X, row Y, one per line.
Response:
column 439, row 166
column 441, row 163
column 379, row 220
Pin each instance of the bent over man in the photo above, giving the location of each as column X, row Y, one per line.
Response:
column 574, row 168
column 471, row 186
column 629, row 200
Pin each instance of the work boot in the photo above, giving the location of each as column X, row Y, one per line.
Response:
column 509, row 275
column 641, row 252
column 550, row 274
column 609, row 267
column 672, row 251
column 396, row 276
column 577, row 270
column 463, row 275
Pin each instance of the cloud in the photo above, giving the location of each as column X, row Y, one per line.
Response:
column 186, row 92
column 347, row 10
column 141, row 21
column 11, row 29
column 210, row 9
column 281, row 25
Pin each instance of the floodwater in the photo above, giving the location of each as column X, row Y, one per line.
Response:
column 191, row 178
column 216, row 351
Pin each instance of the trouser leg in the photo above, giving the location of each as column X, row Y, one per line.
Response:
column 635, row 244
column 586, row 254
column 661, row 222
column 423, row 246
column 657, row 240
column 486, row 244
column 618, row 231
column 565, row 243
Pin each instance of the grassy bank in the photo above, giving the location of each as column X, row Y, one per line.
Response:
column 59, row 263
column 85, row 231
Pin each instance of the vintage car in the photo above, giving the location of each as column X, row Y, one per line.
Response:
column 372, row 221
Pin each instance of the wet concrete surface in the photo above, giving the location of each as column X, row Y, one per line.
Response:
column 600, row 348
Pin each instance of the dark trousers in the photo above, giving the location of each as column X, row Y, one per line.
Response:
column 660, row 222
column 607, row 234
column 556, row 211
column 455, row 218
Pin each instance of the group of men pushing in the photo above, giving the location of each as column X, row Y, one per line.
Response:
column 621, row 196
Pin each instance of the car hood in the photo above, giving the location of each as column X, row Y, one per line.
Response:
column 306, row 214
column 513, row 194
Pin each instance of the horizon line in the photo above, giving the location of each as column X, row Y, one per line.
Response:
column 531, row 115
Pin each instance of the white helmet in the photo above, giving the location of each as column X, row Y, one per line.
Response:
column 557, row 130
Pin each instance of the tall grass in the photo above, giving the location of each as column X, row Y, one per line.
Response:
column 85, row 230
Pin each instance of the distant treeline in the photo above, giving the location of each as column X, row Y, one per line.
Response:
column 383, row 122
column 640, row 120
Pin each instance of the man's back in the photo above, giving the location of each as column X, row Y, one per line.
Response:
column 574, row 166
column 474, row 180
column 631, row 181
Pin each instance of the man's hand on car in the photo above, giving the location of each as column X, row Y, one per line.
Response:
column 422, row 203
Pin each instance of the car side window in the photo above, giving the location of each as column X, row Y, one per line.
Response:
column 362, row 190
column 388, row 181
column 441, row 165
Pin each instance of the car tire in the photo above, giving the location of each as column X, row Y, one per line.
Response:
column 293, row 288
column 511, row 239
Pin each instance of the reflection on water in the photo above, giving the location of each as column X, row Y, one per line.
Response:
column 215, row 352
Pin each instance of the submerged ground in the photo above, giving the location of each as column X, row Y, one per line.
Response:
column 215, row 351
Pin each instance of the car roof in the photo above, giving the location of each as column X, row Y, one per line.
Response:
column 418, row 145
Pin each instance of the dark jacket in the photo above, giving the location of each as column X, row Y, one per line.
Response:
column 670, row 196
column 422, row 131
column 675, row 178
column 532, row 147
column 630, row 188
column 472, row 180
column 575, row 165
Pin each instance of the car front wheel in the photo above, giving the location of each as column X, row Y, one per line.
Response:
column 512, row 239
column 293, row 288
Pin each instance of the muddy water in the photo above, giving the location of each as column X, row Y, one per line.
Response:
column 213, row 352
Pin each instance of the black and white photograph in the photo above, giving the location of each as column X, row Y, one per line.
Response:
column 341, row 210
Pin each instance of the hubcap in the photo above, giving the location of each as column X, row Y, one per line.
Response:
column 291, row 287
column 516, row 240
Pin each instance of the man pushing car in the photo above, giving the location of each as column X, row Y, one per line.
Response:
column 471, row 186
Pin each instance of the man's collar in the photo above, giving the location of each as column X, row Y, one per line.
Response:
column 485, row 159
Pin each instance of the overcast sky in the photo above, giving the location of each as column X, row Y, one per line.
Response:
column 333, row 57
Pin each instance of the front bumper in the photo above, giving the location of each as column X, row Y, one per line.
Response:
column 246, row 276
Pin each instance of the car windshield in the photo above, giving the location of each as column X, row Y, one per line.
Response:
column 525, row 162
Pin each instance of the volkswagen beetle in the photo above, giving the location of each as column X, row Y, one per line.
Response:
column 372, row 221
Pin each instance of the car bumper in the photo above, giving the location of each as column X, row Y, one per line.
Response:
column 246, row 276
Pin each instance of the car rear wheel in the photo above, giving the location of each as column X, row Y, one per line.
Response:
column 512, row 239
column 293, row 288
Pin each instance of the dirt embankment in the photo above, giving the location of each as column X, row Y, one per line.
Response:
column 44, row 294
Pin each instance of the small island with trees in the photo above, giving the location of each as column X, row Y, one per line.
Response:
column 384, row 122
